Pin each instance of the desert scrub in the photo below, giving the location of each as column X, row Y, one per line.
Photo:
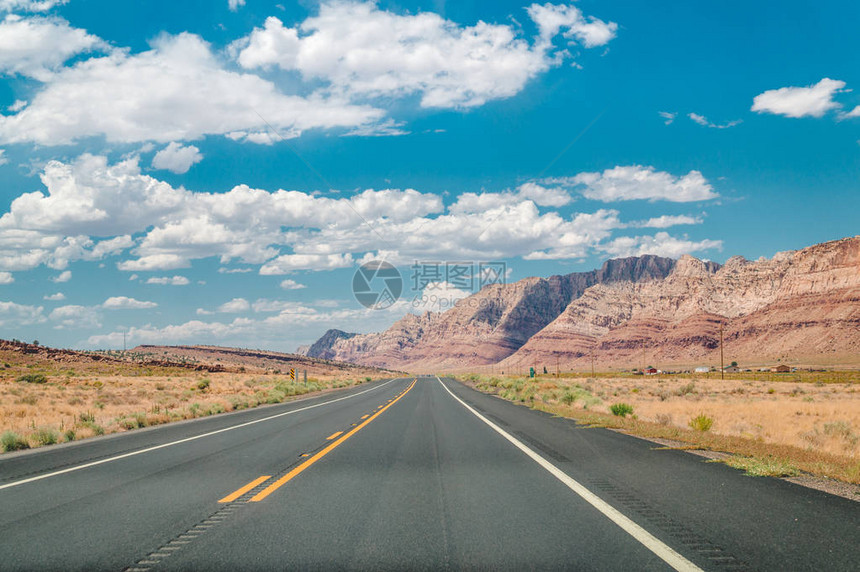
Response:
column 509, row 394
column 45, row 436
column 686, row 389
column 701, row 422
column 274, row 396
column 621, row 409
column 841, row 429
column 11, row 441
column 763, row 467
column 203, row 384
column 33, row 378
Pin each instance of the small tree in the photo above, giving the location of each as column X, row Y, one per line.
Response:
column 734, row 364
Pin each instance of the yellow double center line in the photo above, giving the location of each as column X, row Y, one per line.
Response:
column 295, row 472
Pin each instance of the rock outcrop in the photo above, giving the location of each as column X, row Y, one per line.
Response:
column 797, row 306
column 490, row 325
column 800, row 305
column 322, row 348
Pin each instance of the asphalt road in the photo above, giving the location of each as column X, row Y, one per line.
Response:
column 404, row 475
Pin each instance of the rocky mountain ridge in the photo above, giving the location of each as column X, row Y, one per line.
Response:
column 486, row 327
column 798, row 305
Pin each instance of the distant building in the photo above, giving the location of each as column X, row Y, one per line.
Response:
column 651, row 371
column 732, row 369
column 702, row 369
column 780, row 369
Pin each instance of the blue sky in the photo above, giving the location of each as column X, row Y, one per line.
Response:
column 214, row 172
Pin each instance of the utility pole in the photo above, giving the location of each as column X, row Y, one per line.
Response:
column 123, row 341
column 556, row 367
column 722, row 369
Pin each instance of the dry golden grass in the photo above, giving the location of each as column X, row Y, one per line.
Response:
column 77, row 406
column 814, row 427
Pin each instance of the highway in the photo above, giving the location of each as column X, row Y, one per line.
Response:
column 407, row 474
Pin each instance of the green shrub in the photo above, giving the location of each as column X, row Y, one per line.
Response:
column 568, row 398
column 701, row 422
column 237, row 402
column 621, row 409
column 275, row 396
column 203, row 384
column 686, row 389
column 46, row 436
column 841, row 429
column 10, row 441
column 33, row 378
column 70, row 435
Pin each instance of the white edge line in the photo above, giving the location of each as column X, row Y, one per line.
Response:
column 664, row 552
column 186, row 440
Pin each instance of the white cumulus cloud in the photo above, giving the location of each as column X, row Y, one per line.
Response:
column 661, row 244
column 64, row 276
column 177, row 158
column 544, row 196
column 289, row 284
column 360, row 50
column 291, row 262
column 234, row 5
column 176, row 91
column 234, row 306
column 704, row 122
column 75, row 317
column 625, row 183
column 169, row 281
column 666, row 221
column 35, row 47
column 12, row 314
column 590, row 32
column 92, row 209
column 853, row 113
column 126, row 303
column 58, row 297
column 810, row 101
column 29, row 5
